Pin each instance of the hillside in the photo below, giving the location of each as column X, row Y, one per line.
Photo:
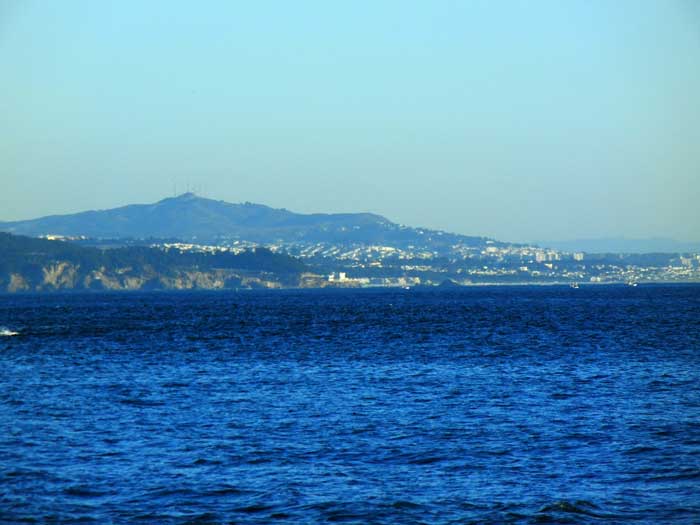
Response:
column 29, row 264
column 192, row 218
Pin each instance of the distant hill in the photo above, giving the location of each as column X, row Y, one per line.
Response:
column 189, row 217
column 623, row 245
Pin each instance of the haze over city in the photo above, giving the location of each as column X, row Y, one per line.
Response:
column 517, row 120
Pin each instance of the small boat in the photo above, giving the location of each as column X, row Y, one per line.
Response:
column 573, row 285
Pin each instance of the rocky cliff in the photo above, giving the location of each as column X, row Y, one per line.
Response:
column 64, row 276
column 38, row 265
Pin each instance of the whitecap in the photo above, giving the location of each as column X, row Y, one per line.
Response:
column 6, row 332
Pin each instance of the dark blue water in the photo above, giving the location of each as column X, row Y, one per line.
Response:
column 488, row 405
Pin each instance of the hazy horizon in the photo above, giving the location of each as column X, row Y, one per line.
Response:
column 513, row 120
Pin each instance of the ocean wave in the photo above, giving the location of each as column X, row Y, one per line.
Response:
column 6, row 332
column 582, row 507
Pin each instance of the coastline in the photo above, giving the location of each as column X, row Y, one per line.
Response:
column 340, row 289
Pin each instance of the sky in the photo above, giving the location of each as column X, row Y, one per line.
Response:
column 519, row 120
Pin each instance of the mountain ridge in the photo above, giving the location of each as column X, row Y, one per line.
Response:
column 193, row 218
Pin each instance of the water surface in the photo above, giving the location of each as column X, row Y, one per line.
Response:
column 486, row 405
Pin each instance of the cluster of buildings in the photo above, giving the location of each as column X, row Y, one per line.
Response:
column 362, row 265
column 205, row 248
column 53, row 237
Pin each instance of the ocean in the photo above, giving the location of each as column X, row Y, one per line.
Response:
column 533, row 404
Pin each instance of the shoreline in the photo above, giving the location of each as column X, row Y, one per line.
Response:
column 340, row 289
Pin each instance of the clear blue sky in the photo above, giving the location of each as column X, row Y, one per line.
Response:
column 521, row 120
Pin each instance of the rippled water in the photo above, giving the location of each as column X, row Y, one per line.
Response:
column 488, row 405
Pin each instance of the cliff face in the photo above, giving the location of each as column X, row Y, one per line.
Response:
column 60, row 275
column 68, row 276
column 39, row 265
